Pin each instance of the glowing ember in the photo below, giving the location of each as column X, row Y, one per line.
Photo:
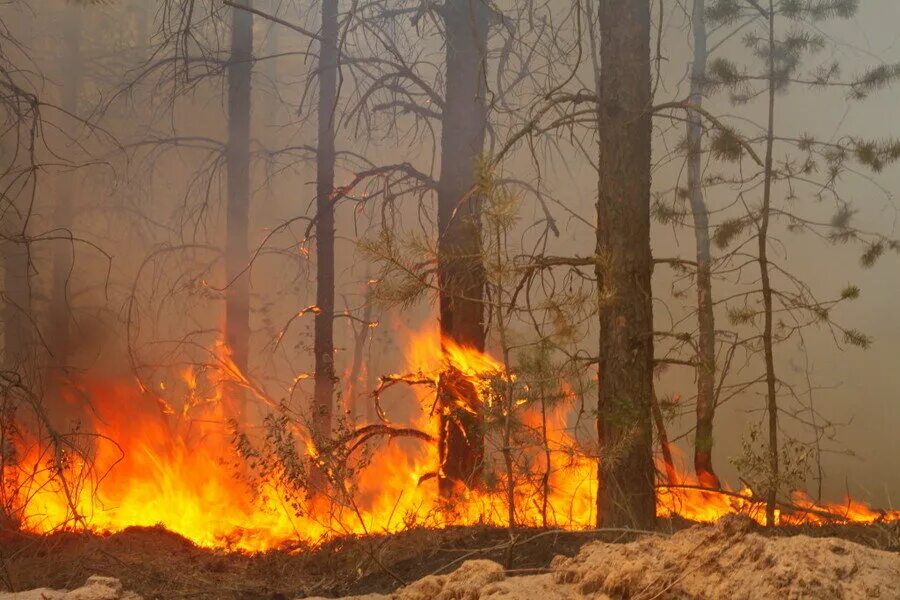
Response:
column 147, row 463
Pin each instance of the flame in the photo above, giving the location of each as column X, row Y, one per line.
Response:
column 145, row 462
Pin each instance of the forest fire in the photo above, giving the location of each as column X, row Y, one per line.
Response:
column 314, row 299
column 146, row 462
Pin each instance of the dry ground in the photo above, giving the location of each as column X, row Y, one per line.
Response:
column 155, row 563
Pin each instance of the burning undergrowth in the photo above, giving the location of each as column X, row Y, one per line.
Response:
column 199, row 468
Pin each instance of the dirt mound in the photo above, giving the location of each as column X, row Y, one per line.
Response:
column 476, row 579
column 96, row 588
column 728, row 560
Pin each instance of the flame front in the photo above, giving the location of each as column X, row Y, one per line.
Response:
column 145, row 463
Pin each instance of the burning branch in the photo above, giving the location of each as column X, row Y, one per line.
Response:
column 364, row 434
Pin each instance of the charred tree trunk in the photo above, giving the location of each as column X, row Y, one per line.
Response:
column 626, row 495
column 461, row 274
column 237, row 253
column 323, row 343
column 706, row 354
column 64, row 212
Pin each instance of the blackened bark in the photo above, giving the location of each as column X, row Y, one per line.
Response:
column 323, row 342
column 237, row 252
column 706, row 351
column 460, row 270
column 626, row 495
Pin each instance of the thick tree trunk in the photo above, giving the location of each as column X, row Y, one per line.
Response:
column 64, row 213
column 237, row 253
column 323, row 343
column 460, row 270
column 626, row 495
column 706, row 351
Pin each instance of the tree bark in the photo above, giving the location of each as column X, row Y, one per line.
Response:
column 356, row 380
column 323, row 342
column 461, row 274
column 64, row 212
column 17, row 294
column 237, row 252
column 626, row 496
column 706, row 351
column 270, row 68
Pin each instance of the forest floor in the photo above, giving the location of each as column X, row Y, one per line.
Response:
column 154, row 563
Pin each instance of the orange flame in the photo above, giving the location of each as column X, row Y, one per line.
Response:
column 179, row 468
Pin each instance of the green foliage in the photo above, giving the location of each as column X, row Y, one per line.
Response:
column 277, row 457
column 754, row 464
column 819, row 10
column 499, row 208
column 851, row 292
column 726, row 145
column 404, row 275
column 857, row 338
column 876, row 155
column 721, row 71
column 724, row 12
column 874, row 79
column 873, row 252
column 841, row 230
column 741, row 315
column 727, row 231
column 664, row 213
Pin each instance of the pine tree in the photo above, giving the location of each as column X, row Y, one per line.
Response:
column 626, row 496
column 237, row 160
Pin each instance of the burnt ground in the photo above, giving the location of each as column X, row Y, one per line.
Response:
column 156, row 563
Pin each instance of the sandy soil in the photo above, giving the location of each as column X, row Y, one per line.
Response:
column 725, row 561
column 96, row 588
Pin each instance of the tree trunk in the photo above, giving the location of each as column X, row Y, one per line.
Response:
column 771, row 399
column 664, row 447
column 626, row 495
column 270, row 68
column 356, row 380
column 64, row 212
column 237, row 253
column 323, row 343
column 460, row 270
column 706, row 351
column 16, row 292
